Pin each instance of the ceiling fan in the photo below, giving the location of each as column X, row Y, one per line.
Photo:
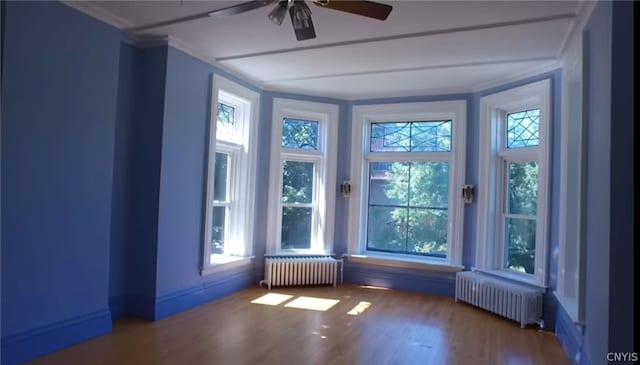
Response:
column 298, row 11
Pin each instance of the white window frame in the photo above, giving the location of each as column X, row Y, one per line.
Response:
column 324, row 158
column 363, row 116
column 241, row 174
column 570, row 285
column 491, row 188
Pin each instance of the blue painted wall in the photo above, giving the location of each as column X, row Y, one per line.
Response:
column 182, row 179
column 2, row 4
column 149, row 70
column 622, row 282
column 60, row 88
column 121, row 186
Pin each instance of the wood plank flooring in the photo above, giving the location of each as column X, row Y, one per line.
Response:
column 395, row 327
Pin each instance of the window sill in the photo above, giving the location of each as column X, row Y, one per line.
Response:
column 511, row 276
column 405, row 262
column 225, row 263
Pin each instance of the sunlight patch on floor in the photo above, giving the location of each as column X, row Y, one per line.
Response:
column 361, row 307
column 311, row 303
column 373, row 287
column 272, row 299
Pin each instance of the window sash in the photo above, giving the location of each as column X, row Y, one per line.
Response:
column 314, row 204
column 366, row 203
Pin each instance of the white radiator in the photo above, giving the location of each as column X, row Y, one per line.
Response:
column 510, row 300
column 300, row 270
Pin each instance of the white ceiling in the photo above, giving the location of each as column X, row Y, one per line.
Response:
column 423, row 48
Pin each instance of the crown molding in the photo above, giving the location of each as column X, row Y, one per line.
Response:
column 94, row 11
column 553, row 65
column 584, row 11
column 186, row 48
column 567, row 16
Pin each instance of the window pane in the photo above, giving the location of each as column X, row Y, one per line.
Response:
column 224, row 124
column 387, row 229
column 217, row 230
column 220, row 177
column 523, row 187
column 296, row 227
column 523, row 128
column 521, row 244
column 390, row 137
column 300, row 134
column 388, row 183
column 297, row 182
column 429, row 184
column 427, row 232
column 432, row 136
column 408, row 207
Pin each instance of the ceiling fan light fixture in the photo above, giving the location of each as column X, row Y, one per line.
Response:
column 301, row 20
column 279, row 12
column 300, row 15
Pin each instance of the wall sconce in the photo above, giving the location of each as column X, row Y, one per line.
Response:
column 468, row 193
column 345, row 189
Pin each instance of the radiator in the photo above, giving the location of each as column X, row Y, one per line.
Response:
column 300, row 270
column 517, row 302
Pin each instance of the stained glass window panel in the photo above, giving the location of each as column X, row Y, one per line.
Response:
column 224, row 124
column 429, row 136
column 300, row 134
column 523, row 128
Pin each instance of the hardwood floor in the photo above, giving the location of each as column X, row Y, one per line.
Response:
column 396, row 328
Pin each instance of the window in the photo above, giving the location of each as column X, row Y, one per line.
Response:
column 230, row 174
column 513, row 183
column 303, row 183
column 408, row 160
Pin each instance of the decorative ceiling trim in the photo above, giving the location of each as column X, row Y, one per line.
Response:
column 420, row 68
column 403, row 36
column 553, row 65
column 95, row 11
column 584, row 11
column 186, row 48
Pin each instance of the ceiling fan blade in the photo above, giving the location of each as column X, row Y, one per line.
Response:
column 365, row 8
column 220, row 13
column 240, row 8
column 301, row 20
